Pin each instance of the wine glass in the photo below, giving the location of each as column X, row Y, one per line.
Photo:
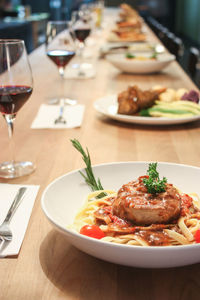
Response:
column 82, row 26
column 60, row 48
column 98, row 8
column 16, row 85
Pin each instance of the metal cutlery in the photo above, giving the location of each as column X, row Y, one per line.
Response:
column 60, row 119
column 5, row 231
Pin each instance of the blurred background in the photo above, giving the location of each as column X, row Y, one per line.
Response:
column 26, row 19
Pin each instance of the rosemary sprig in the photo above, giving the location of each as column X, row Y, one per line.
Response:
column 153, row 184
column 89, row 177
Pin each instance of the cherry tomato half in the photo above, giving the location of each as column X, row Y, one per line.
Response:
column 92, row 231
column 197, row 236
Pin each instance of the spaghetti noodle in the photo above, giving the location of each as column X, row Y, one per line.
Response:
column 180, row 230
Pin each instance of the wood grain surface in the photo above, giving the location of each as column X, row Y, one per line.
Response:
column 48, row 267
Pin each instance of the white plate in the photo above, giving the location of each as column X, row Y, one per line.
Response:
column 135, row 66
column 112, row 37
column 63, row 197
column 108, row 106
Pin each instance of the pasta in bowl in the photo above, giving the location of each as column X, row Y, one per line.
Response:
column 146, row 65
column 65, row 197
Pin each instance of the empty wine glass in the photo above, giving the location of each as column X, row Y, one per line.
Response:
column 16, row 86
column 60, row 49
column 98, row 8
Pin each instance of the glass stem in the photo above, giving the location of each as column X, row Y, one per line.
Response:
column 61, row 71
column 61, row 86
column 61, row 92
column 10, row 123
column 81, row 50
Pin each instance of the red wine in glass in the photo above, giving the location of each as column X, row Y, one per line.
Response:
column 60, row 48
column 60, row 57
column 82, row 33
column 13, row 97
column 16, row 84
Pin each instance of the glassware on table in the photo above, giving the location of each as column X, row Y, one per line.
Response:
column 82, row 25
column 16, row 85
column 60, row 48
column 98, row 8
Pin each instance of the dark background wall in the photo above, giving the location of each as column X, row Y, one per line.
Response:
column 37, row 5
column 188, row 19
column 180, row 16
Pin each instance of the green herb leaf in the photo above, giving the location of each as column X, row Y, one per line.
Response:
column 89, row 177
column 153, row 184
column 129, row 55
column 154, row 55
column 144, row 112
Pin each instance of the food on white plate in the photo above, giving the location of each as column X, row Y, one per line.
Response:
column 134, row 99
column 145, row 47
column 132, row 24
column 129, row 17
column 178, row 104
column 171, row 95
column 128, row 35
column 147, row 211
column 152, row 56
column 129, row 27
column 176, row 109
column 159, row 102
column 135, row 204
column 179, row 93
column 191, row 96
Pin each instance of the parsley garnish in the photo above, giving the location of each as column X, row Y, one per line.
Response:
column 129, row 55
column 153, row 184
column 154, row 55
column 94, row 184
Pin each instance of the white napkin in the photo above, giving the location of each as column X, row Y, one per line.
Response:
column 20, row 219
column 48, row 113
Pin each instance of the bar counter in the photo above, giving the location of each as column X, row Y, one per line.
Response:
column 48, row 267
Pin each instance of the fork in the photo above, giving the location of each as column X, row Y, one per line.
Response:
column 5, row 232
column 60, row 118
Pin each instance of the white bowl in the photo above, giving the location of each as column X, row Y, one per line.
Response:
column 140, row 66
column 64, row 196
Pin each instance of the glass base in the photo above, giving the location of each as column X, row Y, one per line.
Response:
column 67, row 101
column 81, row 71
column 16, row 169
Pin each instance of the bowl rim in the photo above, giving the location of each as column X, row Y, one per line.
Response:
column 123, row 246
column 120, row 58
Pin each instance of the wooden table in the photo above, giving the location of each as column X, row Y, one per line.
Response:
column 48, row 267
